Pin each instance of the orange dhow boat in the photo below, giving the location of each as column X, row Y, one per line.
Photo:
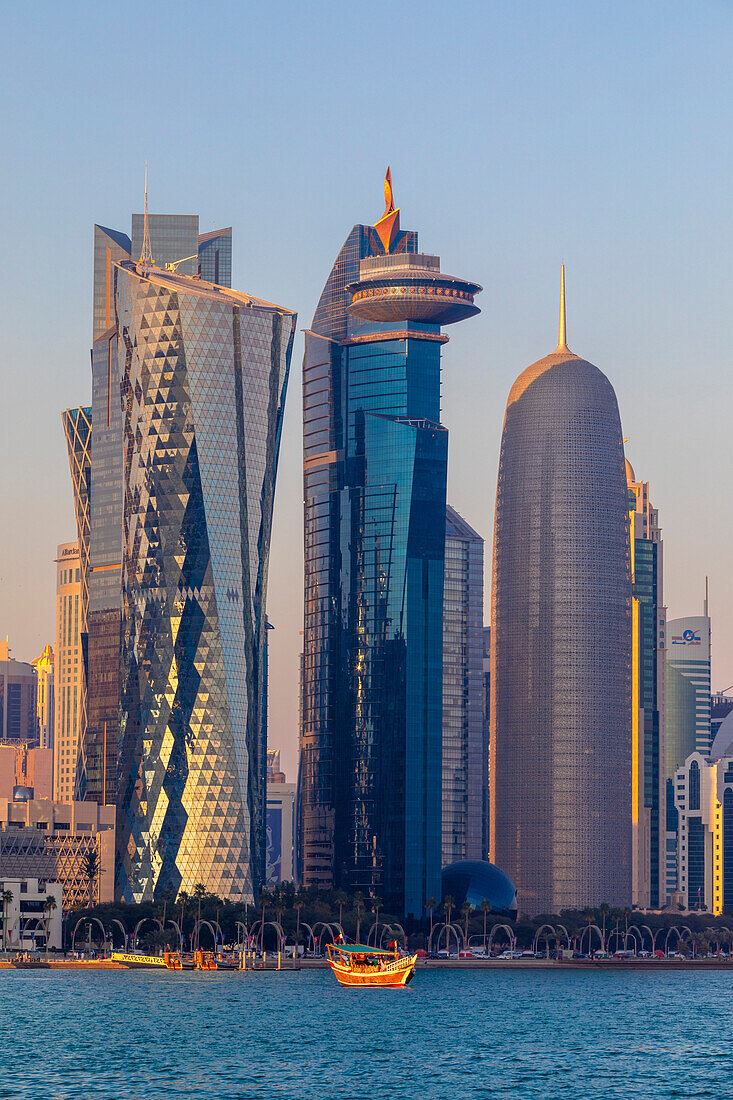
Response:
column 355, row 964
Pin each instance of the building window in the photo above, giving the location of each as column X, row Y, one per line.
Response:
column 693, row 789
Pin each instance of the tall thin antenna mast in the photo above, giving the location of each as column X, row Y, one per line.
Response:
column 562, row 341
column 146, row 256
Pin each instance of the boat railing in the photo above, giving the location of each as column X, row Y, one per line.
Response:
column 399, row 964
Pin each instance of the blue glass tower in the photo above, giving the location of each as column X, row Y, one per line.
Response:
column 375, row 464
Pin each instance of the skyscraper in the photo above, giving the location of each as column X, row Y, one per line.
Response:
column 647, row 702
column 687, row 722
column 174, row 240
column 465, row 754
column 561, row 641
column 45, row 707
column 188, row 388
column 95, row 460
column 203, row 375
column 69, row 670
column 18, row 717
column 375, row 458
column 78, row 432
column 721, row 705
column 688, row 657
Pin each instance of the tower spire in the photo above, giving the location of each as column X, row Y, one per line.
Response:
column 146, row 256
column 562, row 338
column 388, row 225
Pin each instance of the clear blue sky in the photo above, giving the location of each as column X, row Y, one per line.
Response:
column 518, row 135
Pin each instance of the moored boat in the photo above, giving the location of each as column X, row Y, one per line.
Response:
column 356, row 964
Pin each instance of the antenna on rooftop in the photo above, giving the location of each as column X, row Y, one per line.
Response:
column 146, row 256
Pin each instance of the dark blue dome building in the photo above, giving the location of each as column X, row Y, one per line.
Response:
column 472, row 880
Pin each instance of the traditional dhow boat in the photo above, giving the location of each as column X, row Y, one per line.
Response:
column 355, row 964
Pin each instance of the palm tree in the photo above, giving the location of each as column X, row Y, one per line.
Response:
column 297, row 905
column 466, row 910
column 359, row 907
column 6, row 897
column 340, row 898
column 448, row 905
column 430, row 904
column 279, row 903
column 48, row 907
column 485, row 909
column 90, row 867
column 376, row 903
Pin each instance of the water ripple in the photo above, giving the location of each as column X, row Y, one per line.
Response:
column 477, row 1034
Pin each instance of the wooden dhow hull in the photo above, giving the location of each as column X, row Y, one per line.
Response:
column 399, row 973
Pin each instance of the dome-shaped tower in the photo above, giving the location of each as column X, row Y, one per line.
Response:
column 561, row 641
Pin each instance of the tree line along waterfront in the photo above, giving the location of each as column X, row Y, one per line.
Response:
column 309, row 918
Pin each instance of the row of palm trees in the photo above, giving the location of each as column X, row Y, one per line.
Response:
column 284, row 897
column 466, row 911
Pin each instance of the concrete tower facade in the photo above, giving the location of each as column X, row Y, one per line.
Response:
column 561, row 641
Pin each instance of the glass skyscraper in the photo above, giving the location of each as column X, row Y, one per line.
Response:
column 189, row 382
column 375, row 463
column 94, row 437
column 203, row 375
column 647, row 702
column 561, row 642
column 465, row 749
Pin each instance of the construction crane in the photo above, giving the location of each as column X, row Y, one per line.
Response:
column 172, row 266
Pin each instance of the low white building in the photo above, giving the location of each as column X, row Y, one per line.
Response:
column 52, row 841
column 30, row 913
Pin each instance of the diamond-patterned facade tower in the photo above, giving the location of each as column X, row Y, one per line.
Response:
column 203, row 377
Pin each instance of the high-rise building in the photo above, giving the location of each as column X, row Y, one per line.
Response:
column 18, row 713
column 487, row 732
column 561, row 641
column 68, row 670
column 274, row 773
column 45, row 707
column 203, row 374
column 720, row 707
column 375, row 461
column 687, row 725
column 215, row 256
column 94, row 438
column 182, row 442
column 280, row 847
column 465, row 754
column 78, row 432
column 647, row 697
column 64, row 834
column 688, row 666
column 703, row 797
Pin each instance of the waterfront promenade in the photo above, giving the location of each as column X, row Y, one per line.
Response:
column 270, row 965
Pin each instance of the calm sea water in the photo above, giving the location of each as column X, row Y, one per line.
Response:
column 148, row 1036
